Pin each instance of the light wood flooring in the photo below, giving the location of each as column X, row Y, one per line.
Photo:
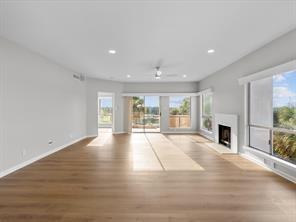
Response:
column 133, row 178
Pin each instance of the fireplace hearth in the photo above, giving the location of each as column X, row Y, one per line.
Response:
column 225, row 135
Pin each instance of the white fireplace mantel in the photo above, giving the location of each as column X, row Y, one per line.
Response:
column 230, row 120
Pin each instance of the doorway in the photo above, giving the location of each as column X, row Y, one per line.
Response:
column 146, row 114
column 105, row 112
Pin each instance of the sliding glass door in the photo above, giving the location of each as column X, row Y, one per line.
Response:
column 138, row 114
column 146, row 114
column 152, row 114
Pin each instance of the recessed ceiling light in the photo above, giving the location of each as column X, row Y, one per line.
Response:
column 128, row 76
column 210, row 51
column 112, row 51
column 184, row 76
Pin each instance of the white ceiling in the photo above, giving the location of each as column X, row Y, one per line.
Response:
column 177, row 34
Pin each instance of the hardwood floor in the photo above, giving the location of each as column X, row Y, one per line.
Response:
column 97, row 180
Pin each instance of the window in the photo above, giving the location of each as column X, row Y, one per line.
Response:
column 206, row 111
column 180, row 112
column 273, row 115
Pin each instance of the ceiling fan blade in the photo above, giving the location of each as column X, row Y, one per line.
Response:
column 159, row 63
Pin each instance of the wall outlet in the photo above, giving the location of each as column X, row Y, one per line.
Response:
column 50, row 142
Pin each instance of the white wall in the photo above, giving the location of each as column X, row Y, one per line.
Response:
column 39, row 101
column 228, row 95
column 93, row 86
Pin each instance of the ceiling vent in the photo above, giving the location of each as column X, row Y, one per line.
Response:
column 80, row 77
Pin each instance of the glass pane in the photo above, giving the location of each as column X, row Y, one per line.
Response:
column 179, row 112
column 207, row 123
column 207, row 104
column 105, row 112
column 152, row 114
column 284, row 146
column 261, row 102
column 138, row 114
column 284, row 100
column 259, row 139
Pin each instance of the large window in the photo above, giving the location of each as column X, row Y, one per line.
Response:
column 206, row 111
column 273, row 115
column 179, row 112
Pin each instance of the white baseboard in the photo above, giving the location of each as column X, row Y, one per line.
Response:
column 120, row 132
column 260, row 163
column 34, row 159
column 254, row 160
column 202, row 133
column 89, row 136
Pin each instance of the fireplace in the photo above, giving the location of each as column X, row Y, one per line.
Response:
column 225, row 135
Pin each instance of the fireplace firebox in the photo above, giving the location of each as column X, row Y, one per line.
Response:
column 225, row 135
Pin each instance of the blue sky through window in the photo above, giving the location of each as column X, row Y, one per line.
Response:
column 176, row 101
column 106, row 102
column 284, row 89
column 151, row 101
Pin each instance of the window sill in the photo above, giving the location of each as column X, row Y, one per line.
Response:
column 206, row 131
column 273, row 158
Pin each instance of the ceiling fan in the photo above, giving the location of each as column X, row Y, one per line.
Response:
column 158, row 74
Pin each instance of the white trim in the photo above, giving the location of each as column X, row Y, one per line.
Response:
column 261, row 163
column 94, row 135
column 206, row 131
column 159, row 94
column 206, row 135
column 209, row 90
column 254, row 160
column 246, row 114
column 119, row 132
column 280, row 161
column 34, row 159
column 206, row 91
column 286, row 67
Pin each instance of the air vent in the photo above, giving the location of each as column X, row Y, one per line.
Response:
column 80, row 77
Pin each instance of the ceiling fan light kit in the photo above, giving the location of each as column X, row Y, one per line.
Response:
column 158, row 73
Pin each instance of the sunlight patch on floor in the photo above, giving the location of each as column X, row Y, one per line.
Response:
column 143, row 157
column 171, row 157
column 104, row 134
column 219, row 148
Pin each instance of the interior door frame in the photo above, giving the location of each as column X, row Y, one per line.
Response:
column 107, row 94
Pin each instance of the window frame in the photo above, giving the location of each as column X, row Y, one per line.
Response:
column 271, row 130
column 202, row 115
column 189, row 114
